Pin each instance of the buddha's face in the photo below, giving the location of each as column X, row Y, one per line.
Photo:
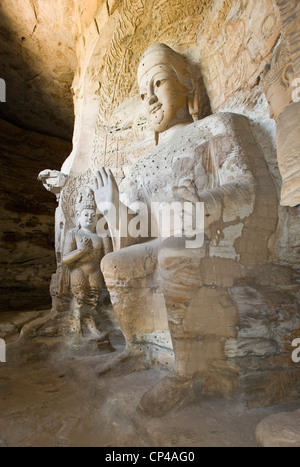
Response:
column 279, row 92
column 164, row 98
column 87, row 219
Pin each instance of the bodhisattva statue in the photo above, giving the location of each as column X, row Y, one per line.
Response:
column 80, row 254
column 83, row 251
column 216, row 161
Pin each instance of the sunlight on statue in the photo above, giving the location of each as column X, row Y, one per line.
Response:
column 215, row 161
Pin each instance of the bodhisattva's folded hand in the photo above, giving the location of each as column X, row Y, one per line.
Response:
column 85, row 244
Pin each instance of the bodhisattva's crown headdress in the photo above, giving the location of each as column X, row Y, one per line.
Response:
column 86, row 200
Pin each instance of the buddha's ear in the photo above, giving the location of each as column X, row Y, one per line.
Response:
column 77, row 214
column 156, row 136
column 193, row 104
column 287, row 75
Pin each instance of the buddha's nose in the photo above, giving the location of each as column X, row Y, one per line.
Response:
column 152, row 99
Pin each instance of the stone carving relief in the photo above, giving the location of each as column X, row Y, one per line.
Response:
column 231, row 50
column 132, row 33
column 53, row 181
column 290, row 20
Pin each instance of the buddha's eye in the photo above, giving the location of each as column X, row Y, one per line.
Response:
column 143, row 96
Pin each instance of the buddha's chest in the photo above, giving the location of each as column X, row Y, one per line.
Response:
column 168, row 167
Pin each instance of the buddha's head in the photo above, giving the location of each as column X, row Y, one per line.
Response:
column 86, row 210
column 168, row 88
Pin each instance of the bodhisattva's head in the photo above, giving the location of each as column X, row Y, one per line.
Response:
column 87, row 219
column 167, row 87
column 86, row 210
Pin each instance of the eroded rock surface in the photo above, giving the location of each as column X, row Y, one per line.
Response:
column 27, row 223
column 38, row 61
column 279, row 430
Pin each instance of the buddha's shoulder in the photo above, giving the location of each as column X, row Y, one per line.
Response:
column 219, row 126
column 221, row 123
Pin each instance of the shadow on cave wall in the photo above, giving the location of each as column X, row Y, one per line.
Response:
column 34, row 100
column 35, row 134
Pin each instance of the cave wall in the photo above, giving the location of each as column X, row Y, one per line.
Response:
column 37, row 61
column 27, row 218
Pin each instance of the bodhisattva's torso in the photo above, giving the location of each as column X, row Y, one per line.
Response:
column 91, row 260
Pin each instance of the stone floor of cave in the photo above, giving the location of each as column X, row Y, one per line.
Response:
column 51, row 395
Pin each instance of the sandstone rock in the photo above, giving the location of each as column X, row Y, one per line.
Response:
column 280, row 430
column 38, row 61
column 27, row 227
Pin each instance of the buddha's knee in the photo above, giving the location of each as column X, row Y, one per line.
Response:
column 111, row 265
column 173, row 254
column 129, row 263
column 117, row 266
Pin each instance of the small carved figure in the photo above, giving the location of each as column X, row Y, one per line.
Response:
column 83, row 251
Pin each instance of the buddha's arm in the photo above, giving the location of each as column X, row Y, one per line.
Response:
column 229, row 202
column 232, row 169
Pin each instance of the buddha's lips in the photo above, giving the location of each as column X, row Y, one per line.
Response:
column 155, row 108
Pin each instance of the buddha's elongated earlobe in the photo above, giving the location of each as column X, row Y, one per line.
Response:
column 77, row 220
column 156, row 136
column 287, row 72
column 193, row 104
